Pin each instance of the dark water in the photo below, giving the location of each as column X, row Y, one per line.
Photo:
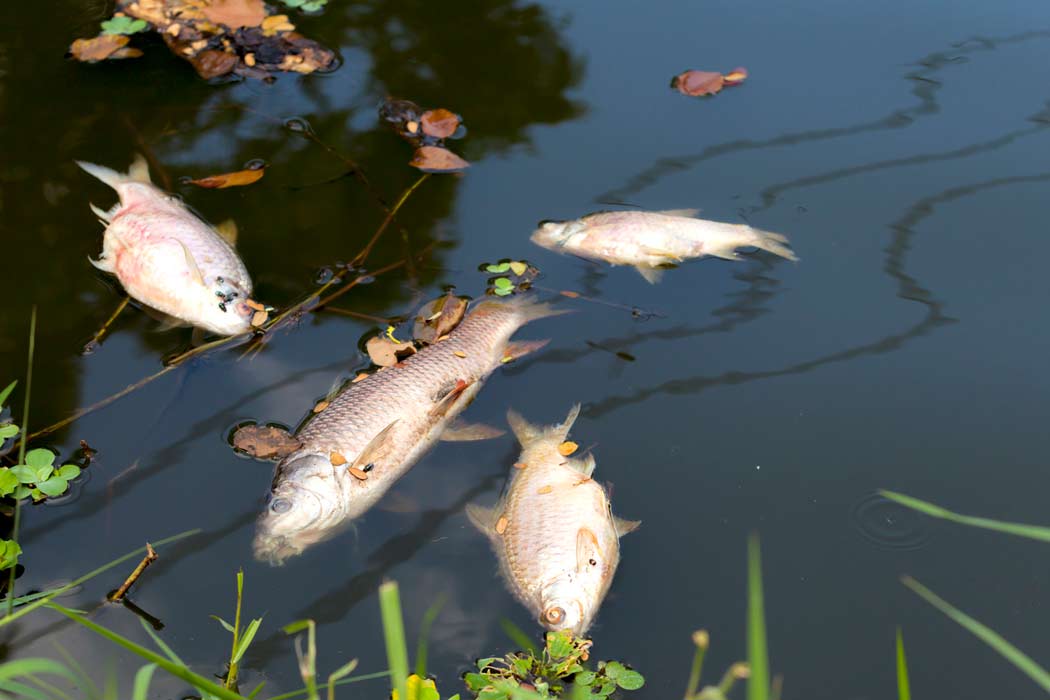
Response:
column 902, row 146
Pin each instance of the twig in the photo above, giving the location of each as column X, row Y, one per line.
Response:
column 97, row 338
column 151, row 556
column 636, row 311
column 360, row 259
column 22, row 455
column 355, row 314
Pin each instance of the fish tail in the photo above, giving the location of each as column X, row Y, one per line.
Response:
column 528, row 309
column 138, row 172
column 528, row 433
column 775, row 243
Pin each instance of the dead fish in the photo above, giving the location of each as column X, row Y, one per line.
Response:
column 653, row 240
column 169, row 259
column 554, row 533
column 375, row 429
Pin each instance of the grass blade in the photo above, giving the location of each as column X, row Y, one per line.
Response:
column 424, row 634
column 518, row 637
column 987, row 635
column 355, row 679
column 161, row 645
column 22, row 454
column 344, row 670
column 394, row 634
column 84, row 682
column 7, row 392
column 1034, row 532
column 21, row 690
column 140, row 690
column 246, row 639
column 757, row 653
column 27, row 667
column 903, row 687
column 180, row 671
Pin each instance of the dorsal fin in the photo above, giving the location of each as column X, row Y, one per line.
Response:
column 625, row 526
column 528, row 433
column 374, row 450
column 139, row 170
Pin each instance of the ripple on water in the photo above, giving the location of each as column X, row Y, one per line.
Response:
column 888, row 524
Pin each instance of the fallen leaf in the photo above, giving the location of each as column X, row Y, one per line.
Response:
column 235, row 179
column 276, row 23
column 98, row 48
column 518, row 267
column 254, row 305
column 435, row 159
column 439, row 123
column 235, row 13
column 336, row 458
column 439, row 317
column 501, row 525
column 259, row 318
column 385, row 352
column 122, row 24
column 265, row 441
column 357, row 473
column 320, row 406
column 212, row 64
column 567, row 448
column 126, row 52
column 735, row 76
column 697, row 82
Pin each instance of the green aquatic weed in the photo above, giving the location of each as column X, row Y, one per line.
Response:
column 37, row 477
column 124, row 25
column 306, row 5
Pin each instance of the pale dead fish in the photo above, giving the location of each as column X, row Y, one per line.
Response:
column 166, row 257
column 378, row 427
column 653, row 240
column 554, row 533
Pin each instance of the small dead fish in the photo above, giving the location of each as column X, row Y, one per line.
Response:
column 382, row 425
column 653, row 240
column 166, row 257
column 554, row 533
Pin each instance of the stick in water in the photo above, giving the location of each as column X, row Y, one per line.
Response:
column 151, row 556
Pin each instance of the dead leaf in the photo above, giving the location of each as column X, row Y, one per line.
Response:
column 259, row 318
column 567, row 448
column 276, row 23
column 501, row 525
column 385, row 352
column 336, row 458
column 439, row 123
column 359, row 377
column 98, row 48
column 439, row 317
column 251, row 303
column 735, row 76
column 265, row 441
column 212, row 64
column 435, row 159
column 320, row 406
column 697, row 82
column 518, row 267
column 235, row 13
column 359, row 474
column 126, row 52
column 235, row 179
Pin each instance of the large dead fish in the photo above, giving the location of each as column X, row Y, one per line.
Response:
column 168, row 258
column 374, row 430
column 653, row 240
column 554, row 533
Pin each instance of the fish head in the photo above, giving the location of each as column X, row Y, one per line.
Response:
column 563, row 607
column 555, row 234
column 225, row 309
column 305, row 507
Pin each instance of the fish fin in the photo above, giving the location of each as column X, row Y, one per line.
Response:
column 689, row 213
column 652, row 275
column 527, row 308
column 584, row 465
column 587, row 550
column 483, row 518
column 528, row 433
column 139, row 170
column 460, row 431
column 107, row 175
column 102, row 264
column 727, row 253
column 105, row 215
column 197, row 337
column 445, row 403
column 775, row 243
column 227, row 231
column 624, row 527
column 191, row 263
column 168, row 323
column 520, row 348
column 374, row 449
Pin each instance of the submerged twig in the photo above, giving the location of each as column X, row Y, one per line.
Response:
column 360, row 259
column 355, row 314
column 636, row 311
column 97, row 338
column 151, row 556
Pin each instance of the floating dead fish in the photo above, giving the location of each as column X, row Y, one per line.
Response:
column 168, row 258
column 553, row 531
column 381, row 425
column 653, row 240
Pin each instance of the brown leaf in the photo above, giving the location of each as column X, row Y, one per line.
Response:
column 259, row 318
column 237, row 179
column 698, row 82
column 359, row 377
column 213, row 64
column 518, row 267
column 98, row 48
column 567, row 448
column 235, row 13
column 359, row 474
column 544, row 489
column 385, row 352
column 435, row 159
column 439, row 123
column 126, row 52
column 459, row 353
column 439, row 317
column 254, row 305
column 735, row 76
column 520, row 465
column 276, row 23
column 265, row 441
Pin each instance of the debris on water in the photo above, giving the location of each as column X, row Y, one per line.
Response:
column 320, row 406
column 459, row 353
column 264, row 441
column 439, row 123
column 504, row 286
column 219, row 38
column 437, row 159
column 570, row 294
column 520, row 465
column 387, row 352
column 427, row 131
column 239, row 178
column 439, row 317
column 695, row 83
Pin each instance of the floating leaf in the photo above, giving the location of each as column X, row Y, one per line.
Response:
column 98, row 48
column 359, row 474
column 518, row 267
column 559, row 644
column 124, row 25
column 8, row 430
column 435, row 159
column 212, row 64
column 385, row 352
column 55, row 486
column 239, row 178
column 501, row 525
column 276, row 23
column 40, row 457
column 265, row 441
column 567, row 448
column 570, row 294
column 502, row 286
column 68, row 471
column 26, row 474
column 439, row 317
column 235, row 13
column 439, row 123
column 497, row 269
column 22, row 491
column 336, row 458
column 8, row 481
column 698, row 82
column 735, row 76
column 9, row 551
column 320, row 406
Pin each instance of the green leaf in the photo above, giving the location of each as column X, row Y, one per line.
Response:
column 140, row 690
column 605, row 689
column 987, row 635
column 630, row 680
column 499, row 268
column 293, row 3
column 613, row 669
column 69, row 471
column 226, row 625
column 24, row 473
column 1034, row 532
column 903, row 687
column 314, row 5
column 37, row 495
column 124, row 25
column 55, row 486
column 9, row 551
column 503, row 283
column 22, row 491
column 559, row 644
column 394, row 636
column 503, row 292
column 8, row 430
column 522, row 666
column 8, row 481
column 246, row 639
column 487, row 661
column 40, row 458
column 757, row 654
column 586, row 677
column 7, row 392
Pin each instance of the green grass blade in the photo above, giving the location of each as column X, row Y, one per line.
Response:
column 26, row 609
column 1034, row 532
column 21, row 690
column 140, row 690
column 246, row 639
column 27, row 667
column 178, row 670
column 84, row 682
column 168, row 651
column 394, row 634
column 424, row 634
column 257, row 690
column 518, row 637
column 987, row 635
column 22, row 456
column 355, row 679
column 757, row 654
column 7, row 392
column 903, row 687
column 344, row 670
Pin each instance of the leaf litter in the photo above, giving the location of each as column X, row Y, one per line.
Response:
column 696, row 83
column 264, row 441
column 426, row 130
column 218, row 37
column 240, row 178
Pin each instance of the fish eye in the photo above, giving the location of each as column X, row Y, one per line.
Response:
column 281, row 505
column 554, row 615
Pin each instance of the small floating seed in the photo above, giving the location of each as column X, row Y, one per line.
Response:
column 254, row 305
column 520, row 465
column 336, row 459
column 321, row 405
column 545, row 489
column 459, row 353
column 359, row 474
column 567, row 448
column 501, row 525
column 259, row 318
